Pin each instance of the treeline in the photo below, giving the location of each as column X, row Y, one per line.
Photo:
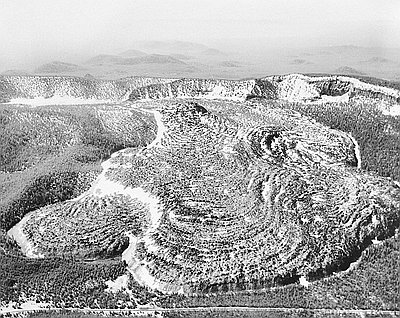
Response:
column 28, row 136
column 63, row 282
column 374, row 284
column 27, row 193
column 254, row 314
column 48, row 155
column 52, row 154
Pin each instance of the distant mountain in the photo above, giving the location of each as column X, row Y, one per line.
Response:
column 347, row 70
column 212, row 52
column 182, row 57
column 151, row 59
column 171, row 46
column 349, row 49
column 353, row 50
column 105, row 59
column 377, row 60
column 89, row 76
column 229, row 64
column 346, row 48
column 15, row 72
column 178, row 47
column 146, row 59
column 56, row 67
column 299, row 62
column 133, row 53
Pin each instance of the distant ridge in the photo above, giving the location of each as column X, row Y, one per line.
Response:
column 300, row 62
column 229, row 64
column 182, row 57
column 145, row 59
column 104, row 59
column 347, row 70
column 172, row 46
column 377, row 60
column 15, row 72
column 151, row 59
column 212, row 52
column 57, row 67
column 132, row 53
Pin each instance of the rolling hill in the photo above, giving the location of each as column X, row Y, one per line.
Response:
column 171, row 46
column 133, row 53
column 143, row 59
column 347, row 70
column 15, row 72
column 377, row 60
column 151, row 59
column 105, row 59
column 57, row 67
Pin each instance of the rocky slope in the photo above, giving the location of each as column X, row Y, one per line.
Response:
column 231, row 194
column 227, row 194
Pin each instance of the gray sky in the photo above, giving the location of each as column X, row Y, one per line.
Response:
column 38, row 29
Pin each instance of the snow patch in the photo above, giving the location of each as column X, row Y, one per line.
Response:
column 376, row 241
column 119, row 284
column 267, row 190
column 14, row 307
column 136, row 267
column 231, row 93
column 305, row 220
column 304, row 282
column 375, row 220
column 16, row 233
column 318, row 218
column 357, row 151
column 335, row 99
column 392, row 111
column 161, row 129
column 217, row 91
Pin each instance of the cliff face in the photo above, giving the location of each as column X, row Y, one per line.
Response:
column 296, row 87
column 333, row 87
column 341, row 85
column 293, row 87
column 196, row 88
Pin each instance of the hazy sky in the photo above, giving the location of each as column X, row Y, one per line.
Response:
column 37, row 29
